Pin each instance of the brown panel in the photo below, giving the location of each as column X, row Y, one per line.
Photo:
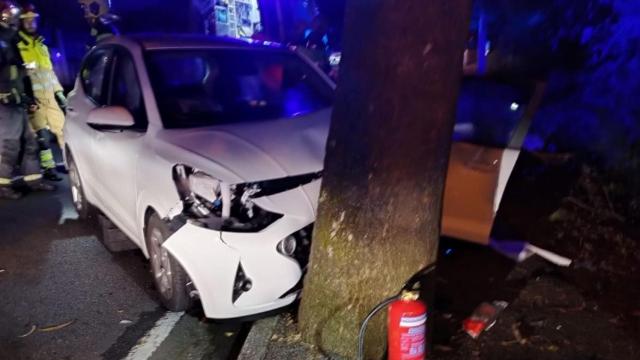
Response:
column 469, row 193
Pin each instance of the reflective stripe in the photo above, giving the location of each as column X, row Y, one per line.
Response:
column 44, row 79
column 45, row 86
column 5, row 181
column 46, row 159
column 13, row 72
column 32, row 177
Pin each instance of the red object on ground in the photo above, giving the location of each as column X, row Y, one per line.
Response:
column 483, row 318
column 407, row 328
column 474, row 327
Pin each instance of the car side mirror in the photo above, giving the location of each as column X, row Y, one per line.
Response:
column 115, row 116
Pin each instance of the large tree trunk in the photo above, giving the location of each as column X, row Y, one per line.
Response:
column 387, row 155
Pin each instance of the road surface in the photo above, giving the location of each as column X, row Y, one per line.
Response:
column 54, row 271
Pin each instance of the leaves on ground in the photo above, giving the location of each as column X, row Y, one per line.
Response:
column 56, row 327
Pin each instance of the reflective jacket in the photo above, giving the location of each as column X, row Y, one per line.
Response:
column 15, row 85
column 37, row 61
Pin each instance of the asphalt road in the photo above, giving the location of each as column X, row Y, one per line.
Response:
column 54, row 270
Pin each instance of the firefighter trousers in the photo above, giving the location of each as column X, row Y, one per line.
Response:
column 18, row 146
column 50, row 117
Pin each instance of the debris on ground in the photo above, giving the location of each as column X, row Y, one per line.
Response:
column 34, row 328
column 286, row 342
column 126, row 322
column 483, row 318
column 31, row 331
column 56, row 327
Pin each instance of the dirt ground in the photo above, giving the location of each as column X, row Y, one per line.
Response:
column 588, row 311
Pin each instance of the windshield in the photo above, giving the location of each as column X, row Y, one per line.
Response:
column 207, row 87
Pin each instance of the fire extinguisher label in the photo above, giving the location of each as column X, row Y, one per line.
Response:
column 413, row 321
column 412, row 343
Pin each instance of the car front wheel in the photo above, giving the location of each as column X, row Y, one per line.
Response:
column 170, row 278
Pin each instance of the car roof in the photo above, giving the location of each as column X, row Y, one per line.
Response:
column 190, row 41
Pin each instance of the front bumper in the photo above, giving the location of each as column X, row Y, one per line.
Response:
column 211, row 259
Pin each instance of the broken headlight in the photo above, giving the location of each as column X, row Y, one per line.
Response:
column 214, row 204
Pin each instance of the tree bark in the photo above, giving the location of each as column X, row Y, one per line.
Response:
column 386, row 162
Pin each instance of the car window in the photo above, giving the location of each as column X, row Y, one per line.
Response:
column 126, row 90
column 220, row 86
column 489, row 111
column 93, row 74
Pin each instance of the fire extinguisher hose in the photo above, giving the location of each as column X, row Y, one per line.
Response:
column 363, row 327
column 385, row 303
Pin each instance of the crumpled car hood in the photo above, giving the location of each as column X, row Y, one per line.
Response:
column 260, row 150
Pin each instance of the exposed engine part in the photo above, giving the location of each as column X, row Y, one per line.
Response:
column 205, row 186
column 191, row 204
column 209, row 202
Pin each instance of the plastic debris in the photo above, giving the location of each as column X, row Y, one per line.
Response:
column 2, row 270
column 521, row 251
column 483, row 318
column 126, row 322
column 515, row 329
column 56, row 327
column 31, row 331
column 229, row 333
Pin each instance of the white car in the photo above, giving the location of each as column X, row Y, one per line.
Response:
column 207, row 154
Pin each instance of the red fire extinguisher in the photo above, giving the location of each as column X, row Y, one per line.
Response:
column 407, row 321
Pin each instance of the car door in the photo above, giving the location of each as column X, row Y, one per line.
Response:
column 493, row 118
column 90, row 92
column 119, row 147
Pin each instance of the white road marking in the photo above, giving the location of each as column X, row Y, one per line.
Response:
column 68, row 210
column 152, row 339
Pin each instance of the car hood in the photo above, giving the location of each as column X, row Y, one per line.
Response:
column 258, row 150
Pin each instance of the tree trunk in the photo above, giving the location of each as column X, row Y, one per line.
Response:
column 387, row 155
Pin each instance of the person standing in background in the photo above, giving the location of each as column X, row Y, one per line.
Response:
column 47, row 90
column 18, row 145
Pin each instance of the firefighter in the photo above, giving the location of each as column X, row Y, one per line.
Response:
column 18, row 145
column 47, row 90
column 102, row 22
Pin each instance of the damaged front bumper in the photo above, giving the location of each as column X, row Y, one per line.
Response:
column 241, row 274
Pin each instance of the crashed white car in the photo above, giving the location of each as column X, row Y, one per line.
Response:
column 206, row 153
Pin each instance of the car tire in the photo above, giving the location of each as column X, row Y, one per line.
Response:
column 170, row 278
column 84, row 209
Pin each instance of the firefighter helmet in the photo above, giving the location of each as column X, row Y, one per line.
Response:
column 9, row 13
column 29, row 12
column 94, row 8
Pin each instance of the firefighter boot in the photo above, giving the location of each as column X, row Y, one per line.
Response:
column 6, row 192
column 50, row 174
column 47, row 161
